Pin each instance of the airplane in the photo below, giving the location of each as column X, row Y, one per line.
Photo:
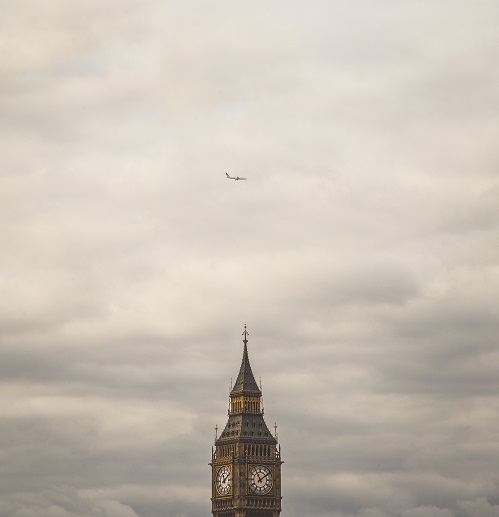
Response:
column 236, row 178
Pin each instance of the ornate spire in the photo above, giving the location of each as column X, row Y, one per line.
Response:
column 245, row 382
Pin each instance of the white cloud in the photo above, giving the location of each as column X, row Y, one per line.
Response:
column 62, row 501
column 477, row 508
column 427, row 511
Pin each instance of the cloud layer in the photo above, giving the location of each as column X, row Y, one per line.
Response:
column 361, row 252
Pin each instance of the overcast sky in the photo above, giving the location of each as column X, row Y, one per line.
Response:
column 362, row 252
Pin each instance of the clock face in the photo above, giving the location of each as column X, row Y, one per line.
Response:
column 260, row 480
column 224, row 480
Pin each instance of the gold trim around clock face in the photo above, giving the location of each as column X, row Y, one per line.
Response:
column 223, row 480
column 260, row 479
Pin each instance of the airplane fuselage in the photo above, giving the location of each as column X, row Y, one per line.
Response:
column 236, row 178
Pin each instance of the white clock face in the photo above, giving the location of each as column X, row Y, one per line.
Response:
column 224, row 480
column 260, row 480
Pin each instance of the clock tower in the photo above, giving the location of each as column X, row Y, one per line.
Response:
column 246, row 459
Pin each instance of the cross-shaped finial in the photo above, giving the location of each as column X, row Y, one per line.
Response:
column 245, row 334
column 275, row 429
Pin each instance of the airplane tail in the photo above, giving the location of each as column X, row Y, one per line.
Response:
column 226, row 174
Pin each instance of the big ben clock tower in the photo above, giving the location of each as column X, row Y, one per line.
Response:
column 246, row 460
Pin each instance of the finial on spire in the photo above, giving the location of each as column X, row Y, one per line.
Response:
column 245, row 334
column 216, row 432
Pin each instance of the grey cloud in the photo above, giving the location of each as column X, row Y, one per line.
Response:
column 359, row 252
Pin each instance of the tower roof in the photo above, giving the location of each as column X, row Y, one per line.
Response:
column 245, row 382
